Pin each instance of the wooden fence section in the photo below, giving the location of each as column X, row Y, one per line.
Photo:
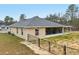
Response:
column 72, row 51
column 52, row 47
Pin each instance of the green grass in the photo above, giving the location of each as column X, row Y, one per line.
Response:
column 67, row 37
column 11, row 45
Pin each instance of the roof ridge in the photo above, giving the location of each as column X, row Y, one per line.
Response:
column 32, row 19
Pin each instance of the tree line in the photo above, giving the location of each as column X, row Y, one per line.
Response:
column 71, row 17
column 10, row 20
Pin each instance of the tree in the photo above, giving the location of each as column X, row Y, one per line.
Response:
column 53, row 18
column 11, row 19
column 8, row 20
column 22, row 17
column 71, row 16
column 72, row 11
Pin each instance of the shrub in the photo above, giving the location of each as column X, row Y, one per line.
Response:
column 9, row 32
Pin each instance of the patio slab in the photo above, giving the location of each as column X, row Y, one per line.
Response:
column 47, row 36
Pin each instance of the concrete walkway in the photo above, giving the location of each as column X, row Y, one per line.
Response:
column 36, row 49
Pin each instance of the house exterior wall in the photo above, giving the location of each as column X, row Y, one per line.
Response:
column 31, row 31
column 4, row 28
column 14, row 31
column 27, row 31
column 42, row 32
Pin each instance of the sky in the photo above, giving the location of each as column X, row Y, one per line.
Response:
column 31, row 10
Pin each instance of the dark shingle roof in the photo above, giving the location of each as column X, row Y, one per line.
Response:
column 35, row 22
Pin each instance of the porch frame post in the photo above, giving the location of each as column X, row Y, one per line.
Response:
column 27, row 37
column 70, row 29
column 62, row 29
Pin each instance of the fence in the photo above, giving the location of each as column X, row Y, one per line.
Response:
column 52, row 47
column 33, row 39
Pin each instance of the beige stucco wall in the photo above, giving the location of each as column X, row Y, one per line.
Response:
column 42, row 32
column 28, row 31
column 14, row 31
column 32, row 31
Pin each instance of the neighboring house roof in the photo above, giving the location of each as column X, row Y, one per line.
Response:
column 36, row 22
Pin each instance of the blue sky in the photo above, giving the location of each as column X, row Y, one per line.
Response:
column 30, row 10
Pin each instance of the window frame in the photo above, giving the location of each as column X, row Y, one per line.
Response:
column 17, row 30
column 22, row 31
column 37, row 32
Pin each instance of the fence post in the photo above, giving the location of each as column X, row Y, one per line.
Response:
column 38, row 42
column 64, row 49
column 49, row 47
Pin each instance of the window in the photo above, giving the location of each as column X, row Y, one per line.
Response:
column 17, row 30
column 7, row 28
column 21, row 31
column 36, row 32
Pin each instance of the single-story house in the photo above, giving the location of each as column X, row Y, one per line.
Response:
column 4, row 27
column 37, row 26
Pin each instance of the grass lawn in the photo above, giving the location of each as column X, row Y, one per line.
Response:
column 74, row 36
column 11, row 45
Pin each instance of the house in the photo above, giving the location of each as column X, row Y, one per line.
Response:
column 4, row 27
column 38, row 27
